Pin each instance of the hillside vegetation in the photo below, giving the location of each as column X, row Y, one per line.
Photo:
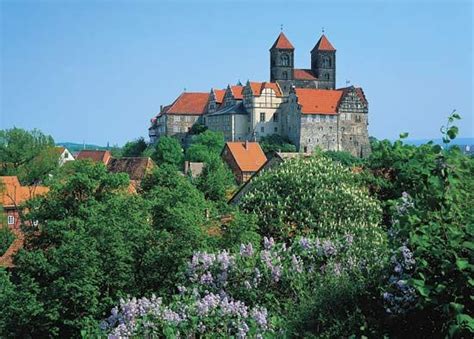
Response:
column 328, row 246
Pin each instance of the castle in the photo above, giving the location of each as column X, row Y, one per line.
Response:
column 302, row 105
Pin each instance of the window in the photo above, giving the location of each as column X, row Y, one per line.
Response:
column 305, row 149
column 276, row 129
column 262, row 117
column 284, row 75
column 262, row 129
column 66, row 155
column 285, row 60
column 11, row 220
column 275, row 117
column 326, row 76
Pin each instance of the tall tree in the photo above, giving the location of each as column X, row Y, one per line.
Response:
column 168, row 150
column 28, row 154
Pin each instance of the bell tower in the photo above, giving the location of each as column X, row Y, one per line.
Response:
column 281, row 59
column 323, row 63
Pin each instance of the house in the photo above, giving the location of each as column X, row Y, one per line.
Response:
column 12, row 196
column 136, row 168
column 95, row 156
column 64, row 155
column 276, row 160
column 244, row 158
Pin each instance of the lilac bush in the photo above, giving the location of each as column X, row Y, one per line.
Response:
column 243, row 293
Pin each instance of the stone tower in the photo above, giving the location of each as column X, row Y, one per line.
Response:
column 281, row 59
column 323, row 63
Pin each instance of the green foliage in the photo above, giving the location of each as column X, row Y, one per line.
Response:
column 197, row 129
column 136, row 148
column 439, row 227
column 168, row 150
column 85, row 253
column 179, row 223
column 30, row 155
column 344, row 158
column 6, row 238
column 204, row 146
column 216, row 180
column 276, row 143
column 243, row 229
column 312, row 195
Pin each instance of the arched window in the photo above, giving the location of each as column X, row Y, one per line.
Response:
column 326, row 62
column 285, row 60
column 284, row 75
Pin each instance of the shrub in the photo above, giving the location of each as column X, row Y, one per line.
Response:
column 6, row 239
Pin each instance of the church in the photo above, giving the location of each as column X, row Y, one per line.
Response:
column 300, row 104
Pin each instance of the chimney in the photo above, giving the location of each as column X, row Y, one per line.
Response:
column 161, row 108
column 246, row 144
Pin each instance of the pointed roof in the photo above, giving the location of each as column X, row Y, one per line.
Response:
column 282, row 42
column 323, row 44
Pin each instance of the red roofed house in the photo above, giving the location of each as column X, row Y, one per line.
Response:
column 12, row 196
column 299, row 104
column 95, row 156
column 178, row 118
column 64, row 155
column 243, row 158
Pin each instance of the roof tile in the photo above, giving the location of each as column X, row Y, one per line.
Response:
column 318, row 101
column 282, row 42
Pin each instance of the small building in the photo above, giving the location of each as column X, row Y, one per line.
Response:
column 64, row 155
column 243, row 158
column 95, row 156
column 136, row 168
column 194, row 169
column 12, row 197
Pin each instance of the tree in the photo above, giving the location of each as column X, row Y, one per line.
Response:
column 215, row 180
column 312, row 196
column 168, row 150
column 205, row 145
column 135, row 148
column 30, row 155
column 85, row 253
column 276, row 143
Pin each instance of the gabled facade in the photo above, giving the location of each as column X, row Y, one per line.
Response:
column 64, row 155
column 243, row 158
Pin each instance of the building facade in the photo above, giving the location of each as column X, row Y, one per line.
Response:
column 302, row 105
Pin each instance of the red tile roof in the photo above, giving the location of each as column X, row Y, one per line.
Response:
column 192, row 103
column 249, row 156
column 96, row 156
column 257, row 88
column 282, row 42
column 219, row 94
column 303, row 74
column 13, row 194
column 323, row 44
column 318, row 101
column 237, row 92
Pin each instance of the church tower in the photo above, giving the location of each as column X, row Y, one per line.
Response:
column 323, row 63
column 281, row 59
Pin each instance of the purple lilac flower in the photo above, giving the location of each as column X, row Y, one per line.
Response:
column 276, row 272
column 224, row 259
column 246, row 250
column 242, row 331
column 268, row 243
column 259, row 314
column 328, row 248
column 181, row 289
column 207, row 279
column 207, row 304
column 296, row 264
column 305, row 243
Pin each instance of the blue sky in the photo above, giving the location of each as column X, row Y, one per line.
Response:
column 99, row 70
